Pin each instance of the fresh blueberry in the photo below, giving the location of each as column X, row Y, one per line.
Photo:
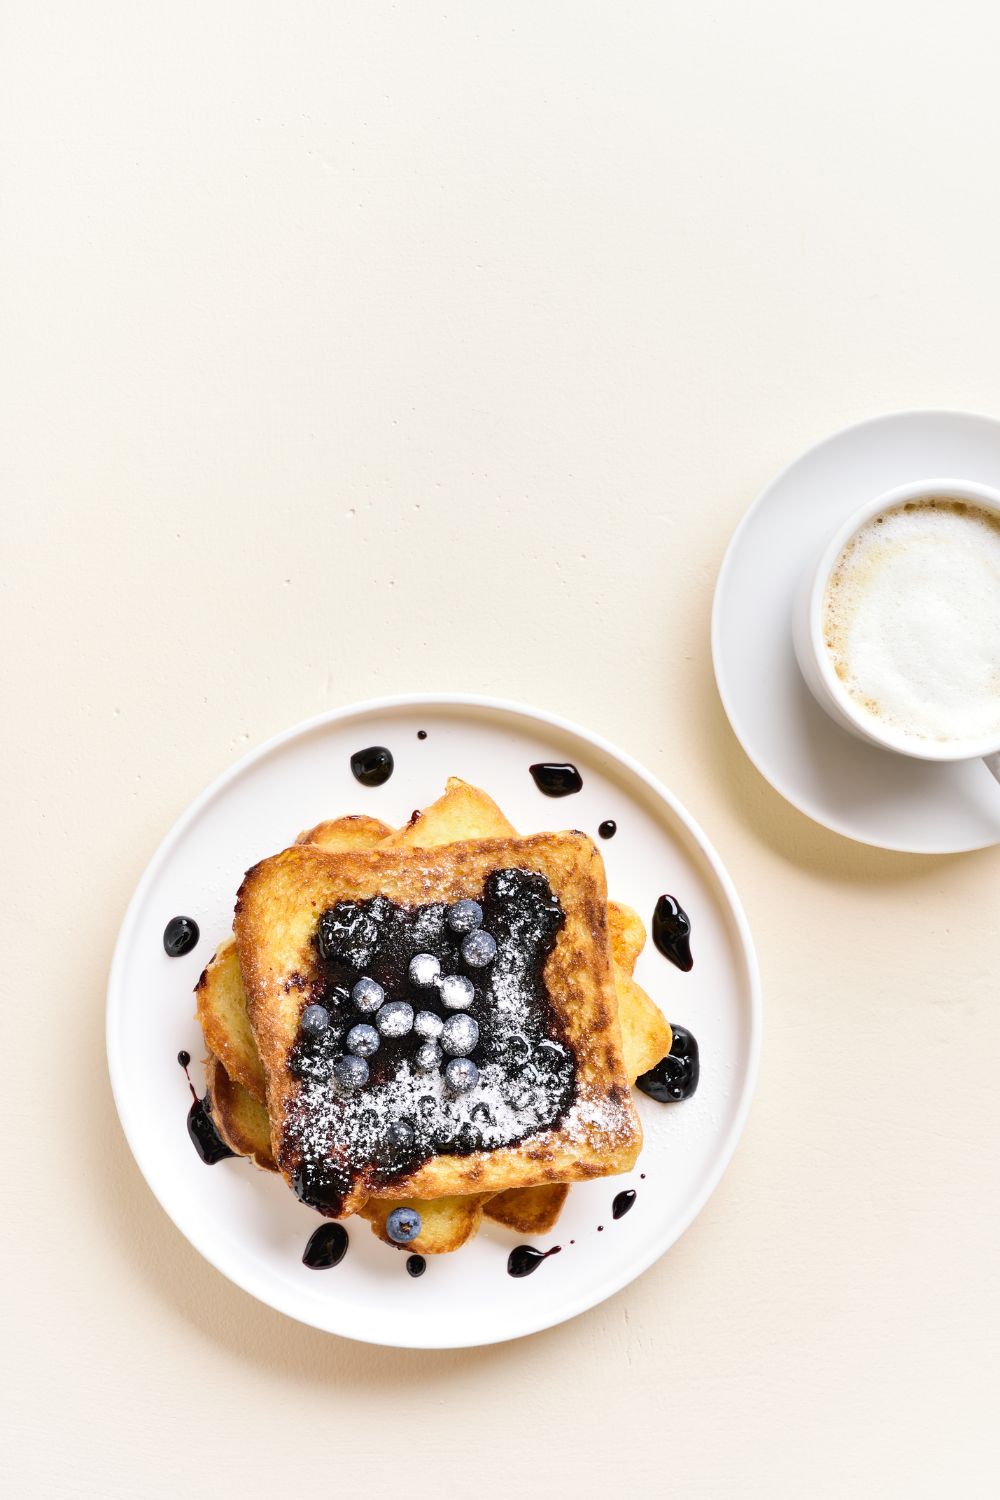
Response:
column 362, row 1040
column 315, row 1019
column 403, row 1225
column 351, row 1073
column 459, row 1035
column 400, row 1135
column 428, row 1057
column 424, row 970
column 427, row 1024
column 395, row 1018
column 367, row 995
column 461, row 1075
column 426, row 1105
column 479, row 949
column 464, row 916
column 179, row 936
column 457, row 992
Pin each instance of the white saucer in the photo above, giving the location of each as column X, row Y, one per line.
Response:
column 856, row 789
column 247, row 1223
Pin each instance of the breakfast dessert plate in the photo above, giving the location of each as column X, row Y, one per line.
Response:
column 856, row 789
column 245, row 1221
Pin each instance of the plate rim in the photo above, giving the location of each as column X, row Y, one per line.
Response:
column 776, row 781
column 606, row 1287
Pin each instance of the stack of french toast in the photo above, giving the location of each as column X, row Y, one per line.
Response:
column 441, row 1018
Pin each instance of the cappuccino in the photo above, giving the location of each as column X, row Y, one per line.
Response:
column 911, row 619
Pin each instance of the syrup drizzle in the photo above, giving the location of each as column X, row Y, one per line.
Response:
column 675, row 1077
column 200, row 1126
column 180, row 935
column 372, row 766
column 421, row 735
column 672, row 932
column 524, row 1260
column 556, row 779
column 327, row 1247
column 608, row 828
column 623, row 1201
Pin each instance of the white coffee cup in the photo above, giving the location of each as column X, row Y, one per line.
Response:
column 815, row 659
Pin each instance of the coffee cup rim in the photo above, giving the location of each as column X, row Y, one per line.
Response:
column 870, row 728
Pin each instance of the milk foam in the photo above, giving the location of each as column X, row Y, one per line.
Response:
column 911, row 619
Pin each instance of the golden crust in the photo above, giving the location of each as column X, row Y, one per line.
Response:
column 277, row 909
column 240, row 1120
column 532, row 1210
column 353, row 832
column 222, row 1014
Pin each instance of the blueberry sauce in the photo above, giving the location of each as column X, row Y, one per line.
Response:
column 180, row 935
column 556, row 780
column 373, row 766
column 421, row 735
column 415, row 1265
column 201, row 1127
column 524, row 1260
column 327, row 1247
column 623, row 1201
column 672, row 932
column 675, row 1076
column 608, row 828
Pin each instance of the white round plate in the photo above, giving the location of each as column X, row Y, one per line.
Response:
column 248, row 1223
column 868, row 794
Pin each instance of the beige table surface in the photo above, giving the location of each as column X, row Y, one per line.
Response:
column 375, row 348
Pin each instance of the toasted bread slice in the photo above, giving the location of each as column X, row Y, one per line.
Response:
column 462, row 812
column 353, row 832
column 445, row 1223
column 240, row 1120
column 532, row 1210
column 222, row 1014
column 320, row 1136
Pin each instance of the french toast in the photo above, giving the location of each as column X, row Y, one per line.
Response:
column 463, row 811
column 313, row 927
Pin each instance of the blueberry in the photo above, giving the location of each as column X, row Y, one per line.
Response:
column 351, row 1073
column 395, row 1018
column 426, row 1105
column 367, row 995
column 179, row 936
column 427, row 1025
column 315, row 1019
column 362, row 1040
column 424, row 970
column 400, row 1135
column 459, row 1035
column 428, row 1057
column 479, row 949
column 461, row 1075
column 482, row 1114
column 456, row 992
column 403, row 1225
column 464, row 916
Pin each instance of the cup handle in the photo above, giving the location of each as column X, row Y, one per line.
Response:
column 992, row 764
